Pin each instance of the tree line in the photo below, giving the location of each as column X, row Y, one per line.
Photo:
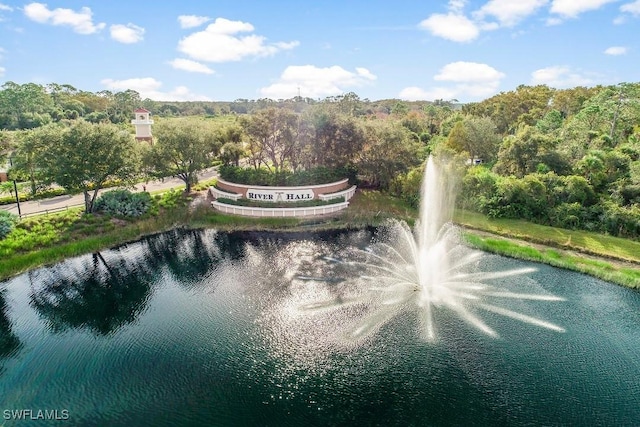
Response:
column 567, row 157
column 85, row 157
column 30, row 105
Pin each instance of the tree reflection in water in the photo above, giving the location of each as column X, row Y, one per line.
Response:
column 188, row 255
column 104, row 292
column 9, row 342
column 98, row 295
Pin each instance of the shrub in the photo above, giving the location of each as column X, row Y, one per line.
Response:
column 7, row 222
column 172, row 199
column 124, row 203
column 8, row 200
column 623, row 221
column 567, row 215
column 24, row 197
column 408, row 186
column 519, row 198
column 479, row 186
column 262, row 176
column 204, row 185
column 630, row 194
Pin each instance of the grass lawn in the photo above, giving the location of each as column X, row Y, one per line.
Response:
column 370, row 207
column 600, row 268
column 583, row 241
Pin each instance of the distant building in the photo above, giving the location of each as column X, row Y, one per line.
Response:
column 143, row 123
column 474, row 162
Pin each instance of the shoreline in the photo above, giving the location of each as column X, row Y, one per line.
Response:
column 601, row 267
column 612, row 269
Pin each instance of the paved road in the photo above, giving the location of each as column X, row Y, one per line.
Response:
column 61, row 202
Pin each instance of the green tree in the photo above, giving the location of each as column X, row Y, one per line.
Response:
column 273, row 137
column 6, row 144
column 92, row 102
column 592, row 167
column 335, row 139
column 434, row 117
column 606, row 120
column 120, row 105
column 475, row 136
column 510, row 110
column 570, row 101
column 30, row 155
column 552, row 121
column 231, row 139
column 65, row 100
column 602, row 168
column 400, row 109
column 529, row 151
column 182, row 148
column 24, row 106
column 388, row 151
column 88, row 155
column 349, row 104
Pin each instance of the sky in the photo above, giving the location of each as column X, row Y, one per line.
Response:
column 219, row 50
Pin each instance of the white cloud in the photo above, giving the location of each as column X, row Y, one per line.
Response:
column 4, row 8
column 468, row 72
column 191, row 21
column 457, row 5
column 365, row 74
column 456, row 26
column 559, row 77
column 189, row 65
column 573, row 8
column 139, row 84
column 316, row 82
column 414, row 93
column 553, row 21
column 148, row 87
column 509, row 12
column 452, row 26
column 81, row 22
column 468, row 80
column 632, row 8
column 616, row 50
column 619, row 20
column 2, row 70
column 286, row 45
column 129, row 33
column 219, row 43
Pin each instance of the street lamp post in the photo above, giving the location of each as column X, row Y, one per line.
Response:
column 15, row 189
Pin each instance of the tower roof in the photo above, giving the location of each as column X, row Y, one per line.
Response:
column 141, row 110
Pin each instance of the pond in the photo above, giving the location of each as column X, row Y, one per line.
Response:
column 206, row 328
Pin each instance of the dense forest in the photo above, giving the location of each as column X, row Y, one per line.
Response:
column 568, row 158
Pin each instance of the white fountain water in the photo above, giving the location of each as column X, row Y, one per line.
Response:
column 426, row 269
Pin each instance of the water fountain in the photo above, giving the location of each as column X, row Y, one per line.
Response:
column 427, row 270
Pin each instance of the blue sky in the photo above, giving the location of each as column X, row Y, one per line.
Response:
column 410, row 49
